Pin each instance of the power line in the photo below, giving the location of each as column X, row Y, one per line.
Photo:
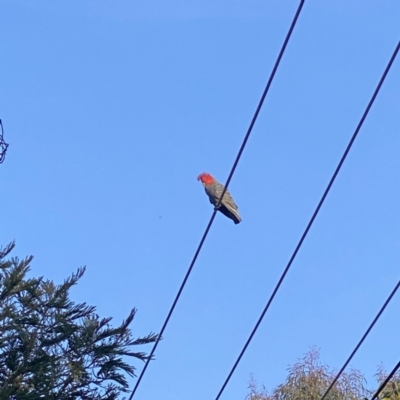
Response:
column 311, row 220
column 226, row 186
column 362, row 340
column 386, row 381
column 262, row 98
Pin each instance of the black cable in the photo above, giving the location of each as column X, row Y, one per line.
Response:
column 361, row 341
column 226, row 186
column 385, row 382
column 262, row 98
column 311, row 220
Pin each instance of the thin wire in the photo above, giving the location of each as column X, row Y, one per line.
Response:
column 311, row 221
column 173, row 304
column 362, row 340
column 385, row 382
column 262, row 98
column 226, row 186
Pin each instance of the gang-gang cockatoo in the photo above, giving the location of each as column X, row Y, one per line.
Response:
column 214, row 191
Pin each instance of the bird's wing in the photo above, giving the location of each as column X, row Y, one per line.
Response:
column 228, row 200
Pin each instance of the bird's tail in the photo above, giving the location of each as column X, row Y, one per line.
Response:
column 231, row 213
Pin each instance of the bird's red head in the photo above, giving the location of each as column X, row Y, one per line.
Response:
column 205, row 178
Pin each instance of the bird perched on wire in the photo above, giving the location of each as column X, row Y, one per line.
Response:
column 214, row 191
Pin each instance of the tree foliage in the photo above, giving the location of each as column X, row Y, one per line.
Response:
column 53, row 348
column 308, row 379
column 391, row 391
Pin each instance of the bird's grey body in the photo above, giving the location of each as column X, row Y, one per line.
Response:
column 228, row 207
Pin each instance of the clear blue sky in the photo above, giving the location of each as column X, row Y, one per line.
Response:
column 112, row 109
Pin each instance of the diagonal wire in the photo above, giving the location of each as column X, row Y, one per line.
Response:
column 311, row 220
column 386, row 381
column 226, row 186
column 262, row 98
column 361, row 341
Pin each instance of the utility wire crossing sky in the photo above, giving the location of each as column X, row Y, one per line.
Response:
column 278, row 60
column 321, row 202
column 361, row 341
column 112, row 109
